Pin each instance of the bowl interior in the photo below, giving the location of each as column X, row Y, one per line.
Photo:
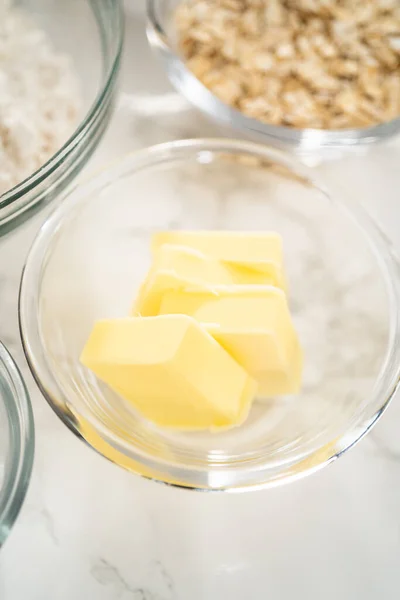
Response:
column 73, row 29
column 92, row 255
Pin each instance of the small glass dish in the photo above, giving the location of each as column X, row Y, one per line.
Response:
column 162, row 36
column 17, row 442
column 91, row 255
column 91, row 34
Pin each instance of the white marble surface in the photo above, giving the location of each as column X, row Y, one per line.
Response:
column 88, row 530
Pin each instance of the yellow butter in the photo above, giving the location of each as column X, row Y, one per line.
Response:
column 171, row 370
column 254, row 325
column 254, row 251
column 177, row 267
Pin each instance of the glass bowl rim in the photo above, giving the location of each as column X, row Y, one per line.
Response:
column 85, row 126
column 202, row 98
column 21, row 447
column 387, row 261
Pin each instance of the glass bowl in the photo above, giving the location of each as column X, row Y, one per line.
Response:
column 16, row 442
column 89, row 259
column 91, row 33
column 162, row 37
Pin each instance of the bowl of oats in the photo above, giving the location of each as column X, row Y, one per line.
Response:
column 300, row 74
column 59, row 63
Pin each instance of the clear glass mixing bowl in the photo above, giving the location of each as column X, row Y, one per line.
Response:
column 91, row 33
column 162, row 37
column 16, row 442
column 91, row 255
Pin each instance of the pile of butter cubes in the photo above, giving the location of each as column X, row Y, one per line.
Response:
column 209, row 332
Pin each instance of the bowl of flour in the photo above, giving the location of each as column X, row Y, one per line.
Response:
column 59, row 63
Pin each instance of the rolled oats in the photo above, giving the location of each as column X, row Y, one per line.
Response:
column 392, row 89
column 328, row 64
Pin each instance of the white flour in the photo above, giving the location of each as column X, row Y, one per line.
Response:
column 39, row 97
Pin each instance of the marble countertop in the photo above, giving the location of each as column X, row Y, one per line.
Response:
column 89, row 530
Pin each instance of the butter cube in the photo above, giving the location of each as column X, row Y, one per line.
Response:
column 254, row 251
column 252, row 324
column 177, row 267
column 172, row 371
